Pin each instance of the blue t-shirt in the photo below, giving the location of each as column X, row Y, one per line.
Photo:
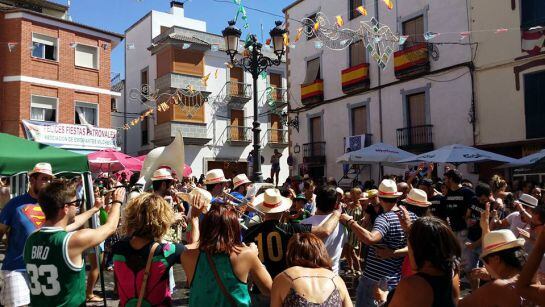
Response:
column 23, row 215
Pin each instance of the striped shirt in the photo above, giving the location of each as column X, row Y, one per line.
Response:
column 393, row 236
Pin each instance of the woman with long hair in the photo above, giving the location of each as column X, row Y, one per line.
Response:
column 146, row 219
column 309, row 280
column 218, row 268
column 434, row 254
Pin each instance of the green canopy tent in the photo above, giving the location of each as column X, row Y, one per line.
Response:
column 19, row 155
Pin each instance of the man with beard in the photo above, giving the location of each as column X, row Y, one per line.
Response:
column 53, row 254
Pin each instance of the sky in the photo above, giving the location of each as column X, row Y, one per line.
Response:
column 118, row 15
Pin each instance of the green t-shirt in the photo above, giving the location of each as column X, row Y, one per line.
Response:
column 54, row 279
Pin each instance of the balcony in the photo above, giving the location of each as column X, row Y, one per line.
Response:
column 238, row 92
column 314, row 153
column 312, row 92
column 277, row 138
column 277, row 98
column 194, row 134
column 412, row 61
column 355, row 78
column 239, row 135
column 417, row 139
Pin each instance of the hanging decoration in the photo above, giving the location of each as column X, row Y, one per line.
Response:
column 340, row 21
column 379, row 40
column 362, row 10
column 298, row 35
column 241, row 11
column 430, row 35
column 501, row 30
column 403, row 39
column 389, row 4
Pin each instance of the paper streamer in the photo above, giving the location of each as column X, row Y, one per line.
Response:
column 362, row 10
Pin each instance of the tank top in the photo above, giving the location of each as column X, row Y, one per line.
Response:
column 293, row 299
column 205, row 291
column 54, row 279
column 442, row 289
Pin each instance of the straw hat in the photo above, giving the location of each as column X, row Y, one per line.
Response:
column 339, row 191
column 162, row 174
column 372, row 193
column 417, row 197
column 215, row 176
column 499, row 240
column 240, row 180
column 388, row 189
column 528, row 201
column 364, row 196
column 42, row 168
column 272, row 202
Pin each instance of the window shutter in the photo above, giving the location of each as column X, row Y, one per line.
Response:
column 86, row 56
column 313, row 67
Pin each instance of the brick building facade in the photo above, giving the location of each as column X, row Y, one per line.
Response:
column 53, row 70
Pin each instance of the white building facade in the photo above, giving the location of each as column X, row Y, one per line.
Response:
column 168, row 52
column 421, row 101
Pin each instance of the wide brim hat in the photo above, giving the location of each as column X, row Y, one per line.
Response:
column 372, row 193
column 42, row 168
column 364, row 196
column 528, row 201
column 498, row 240
column 271, row 201
column 388, row 189
column 418, row 198
column 162, row 174
column 215, row 176
column 240, row 180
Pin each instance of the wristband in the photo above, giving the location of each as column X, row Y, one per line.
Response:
column 117, row 201
column 347, row 222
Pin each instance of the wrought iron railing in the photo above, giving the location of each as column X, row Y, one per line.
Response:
column 314, row 149
column 416, row 135
column 278, row 136
column 239, row 134
column 239, row 90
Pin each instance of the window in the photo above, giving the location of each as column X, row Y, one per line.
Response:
column 144, row 83
column 354, row 4
column 316, row 129
column 113, row 104
column 310, row 27
column 414, row 28
column 43, row 108
column 532, row 13
column 416, row 110
column 44, row 47
column 86, row 114
column 86, row 56
column 534, row 104
column 144, row 131
column 313, row 71
column 357, row 54
column 359, row 120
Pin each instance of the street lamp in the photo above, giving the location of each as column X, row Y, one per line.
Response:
column 254, row 63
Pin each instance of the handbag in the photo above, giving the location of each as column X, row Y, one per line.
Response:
column 146, row 275
column 220, row 283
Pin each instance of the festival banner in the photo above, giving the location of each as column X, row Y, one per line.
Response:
column 71, row 136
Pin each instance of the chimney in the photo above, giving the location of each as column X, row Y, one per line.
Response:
column 177, row 8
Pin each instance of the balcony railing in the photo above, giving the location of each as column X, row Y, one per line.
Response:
column 417, row 139
column 277, row 138
column 355, row 78
column 412, row 61
column 238, row 92
column 278, row 96
column 239, row 135
column 314, row 153
column 312, row 92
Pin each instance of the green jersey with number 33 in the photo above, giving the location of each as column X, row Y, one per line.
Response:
column 54, row 279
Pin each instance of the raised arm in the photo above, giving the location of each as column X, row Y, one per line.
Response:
column 364, row 235
column 327, row 228
column 259, row 273
column 87, row 238
column 80, row 219
column 526, row 287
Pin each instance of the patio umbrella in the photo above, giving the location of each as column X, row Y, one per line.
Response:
column 187, row 169
column 529, row 160
column 376, row 153
column 109, row 160
column 458, row 154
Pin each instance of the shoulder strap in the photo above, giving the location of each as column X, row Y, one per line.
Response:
column 220, row 283
column 146, row 274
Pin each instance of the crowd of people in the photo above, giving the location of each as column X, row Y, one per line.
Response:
column 415, row 240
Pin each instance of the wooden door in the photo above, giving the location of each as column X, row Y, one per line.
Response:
column 237, row 79
column 276, row 84
column 316, row 135
column 417, row 110
column 276, row 135
column 237, row 125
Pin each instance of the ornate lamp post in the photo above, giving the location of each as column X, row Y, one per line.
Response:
column 254, row 63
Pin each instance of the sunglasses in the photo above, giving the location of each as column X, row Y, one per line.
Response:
column 76, row 203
